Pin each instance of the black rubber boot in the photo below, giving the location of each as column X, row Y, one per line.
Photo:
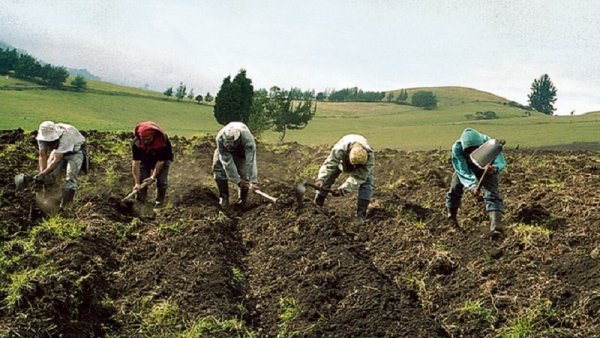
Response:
column 243, row 197
column 319, row 200
column 223, row 193
column 452, row 213
column 361, row 209
column 67, row 197
column 160, row 198
column 496, row 221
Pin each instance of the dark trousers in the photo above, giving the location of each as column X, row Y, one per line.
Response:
column 162, row 180
column 491, row 193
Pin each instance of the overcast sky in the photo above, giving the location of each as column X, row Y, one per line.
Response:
column 495, row 46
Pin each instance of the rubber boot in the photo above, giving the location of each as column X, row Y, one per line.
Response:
column 160, row 198
column 452, row 213
column 67, row 197
column 223, row 193
column 361, row 209
column 495, row 221
column 243, row 197
column 319, row 200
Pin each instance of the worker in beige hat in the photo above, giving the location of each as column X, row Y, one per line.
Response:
column 352, row 154
column 61, row 146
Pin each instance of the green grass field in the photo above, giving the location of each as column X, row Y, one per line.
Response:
column 110, row 107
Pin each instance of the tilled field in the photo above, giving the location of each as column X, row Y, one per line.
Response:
column 101, row 268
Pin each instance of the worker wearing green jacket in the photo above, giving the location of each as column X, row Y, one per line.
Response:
column 467, row 175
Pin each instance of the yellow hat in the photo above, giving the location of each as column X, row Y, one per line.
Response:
column 358, row 154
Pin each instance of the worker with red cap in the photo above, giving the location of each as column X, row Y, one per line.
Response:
column 152, row 157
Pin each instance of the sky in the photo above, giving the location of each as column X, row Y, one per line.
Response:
column 491, row 45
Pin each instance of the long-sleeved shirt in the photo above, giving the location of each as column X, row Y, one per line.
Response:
column 340, row 158
column 244, row 147
column 462, row 164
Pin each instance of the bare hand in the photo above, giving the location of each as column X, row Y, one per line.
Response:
column 254, row 187
column 476, row 191
column 149, row 180
column 137, row 187
column 319, row 184
column 337, row 192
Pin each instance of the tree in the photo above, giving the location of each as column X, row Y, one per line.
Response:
column 390, row 97
column 543, row 95
column 180, row 92
column 56, row 76
column 286, row 114
column 199, row 98
column 234, row 99
column 424, row 99
column 259, row 120
column 191, row 94
column 79, row 83
column 402, row 96
column 208, row 97
column 168, row 92
column 8, row 59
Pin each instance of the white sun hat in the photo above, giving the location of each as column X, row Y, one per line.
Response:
column 48, row 132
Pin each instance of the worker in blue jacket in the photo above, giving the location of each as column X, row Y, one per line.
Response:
column 467, row 175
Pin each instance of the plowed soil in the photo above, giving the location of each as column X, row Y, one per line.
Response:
column 273, row 270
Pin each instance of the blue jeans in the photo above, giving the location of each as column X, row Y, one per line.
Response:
column 491, row 193
column 365, row 190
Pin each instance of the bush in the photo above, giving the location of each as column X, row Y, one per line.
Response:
column 424, row 99
column 488, row 115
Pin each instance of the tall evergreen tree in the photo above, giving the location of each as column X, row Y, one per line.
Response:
column 234, row 99
column 543, row 95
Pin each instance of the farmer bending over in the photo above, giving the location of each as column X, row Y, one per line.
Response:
column 152, row 157
column 235, row 160
column 351, row 154
column 467, row 174
column 60, row 146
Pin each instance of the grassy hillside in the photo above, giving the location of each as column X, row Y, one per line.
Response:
column 110, row 107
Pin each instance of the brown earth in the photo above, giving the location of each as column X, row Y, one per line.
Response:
column 271, row 270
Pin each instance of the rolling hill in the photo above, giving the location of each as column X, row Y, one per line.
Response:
column 108, row 107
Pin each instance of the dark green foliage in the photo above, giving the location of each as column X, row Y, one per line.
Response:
column 259, row 120
column 208, row 97
column 57, row 76
column 286, row 114
column 79, row 83
column 8, row 60
column 234, row 99
column 27, row 67
column 198, row 98
column 355, row 95
column 402, row 96
column 543, row 95
column 168, row 92
column 424, row 99
column 321, row 96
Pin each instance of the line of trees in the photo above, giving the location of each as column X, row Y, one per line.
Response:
column 26, row 67
column 355, row 94
column 181, row 92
